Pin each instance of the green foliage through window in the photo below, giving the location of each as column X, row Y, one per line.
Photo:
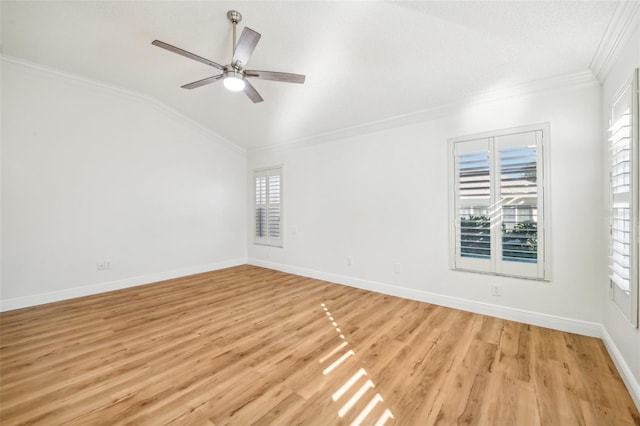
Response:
column 520, row 244
column 475, row 236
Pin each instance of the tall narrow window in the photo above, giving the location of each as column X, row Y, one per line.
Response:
column 268, row 206
column 623, row 197
column 497, row 225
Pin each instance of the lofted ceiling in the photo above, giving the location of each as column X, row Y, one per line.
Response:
column 364, row 61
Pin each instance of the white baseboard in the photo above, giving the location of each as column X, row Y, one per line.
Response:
column 584, row 328
column 70, row 293
column 632, row 384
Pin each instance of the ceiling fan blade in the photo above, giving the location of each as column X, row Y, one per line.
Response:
column 246, row 43
column 252, row 93
column 276, row 76
column 202, row 82
column 184, row 53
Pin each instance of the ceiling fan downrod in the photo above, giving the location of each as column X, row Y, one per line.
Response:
column 234, row 16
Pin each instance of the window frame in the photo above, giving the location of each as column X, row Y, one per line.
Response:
column 495, row 265
column 268, row 240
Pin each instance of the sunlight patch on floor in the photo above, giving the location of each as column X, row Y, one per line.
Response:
column 355, row 378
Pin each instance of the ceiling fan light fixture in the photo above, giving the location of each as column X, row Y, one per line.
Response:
column 234, row 81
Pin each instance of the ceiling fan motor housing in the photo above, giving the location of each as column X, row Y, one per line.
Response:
column 231, row 72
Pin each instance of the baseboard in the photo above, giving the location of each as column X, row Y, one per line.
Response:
column 632, row 384
column 584, row 328
column 70, row 293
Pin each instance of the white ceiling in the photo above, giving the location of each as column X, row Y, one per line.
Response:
column 364, row 61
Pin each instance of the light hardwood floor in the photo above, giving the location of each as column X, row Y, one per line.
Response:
column 248, row 345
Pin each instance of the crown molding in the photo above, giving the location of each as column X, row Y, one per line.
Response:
column 533, row 87
column 563, row 82
column 125, row 93
column 625, row 19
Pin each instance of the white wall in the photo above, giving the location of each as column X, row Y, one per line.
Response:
column 91, row 172
column 621, row 335
column 382, row 197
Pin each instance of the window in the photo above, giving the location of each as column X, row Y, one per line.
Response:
column 268, row 206
column 623, row 200
column 497, row 203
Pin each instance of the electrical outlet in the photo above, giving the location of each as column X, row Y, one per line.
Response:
column 496, row 290
column 294, row 230
column 103, row 265
column 397, row 268
column 349, row 261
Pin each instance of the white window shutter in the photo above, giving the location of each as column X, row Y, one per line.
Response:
column 274, row 206
column 497, row 220
column 268, row 206
column 623, row 198
column 518, row 203
column 261, row 206
column 472, row 177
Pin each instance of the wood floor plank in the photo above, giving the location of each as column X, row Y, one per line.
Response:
column 248, row 345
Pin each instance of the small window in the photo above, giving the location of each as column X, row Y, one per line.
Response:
column 268, row 206
column 497, row 202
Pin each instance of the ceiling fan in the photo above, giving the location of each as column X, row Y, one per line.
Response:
column 234, row 75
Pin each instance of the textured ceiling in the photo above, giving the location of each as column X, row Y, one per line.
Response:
column 364, row 61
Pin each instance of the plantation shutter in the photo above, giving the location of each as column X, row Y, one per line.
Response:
column 519, row 160
column 268, row 206
column 472, row 205
column 274, row 206
column 261, row 206
column 497, row 204
column 623, row 189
